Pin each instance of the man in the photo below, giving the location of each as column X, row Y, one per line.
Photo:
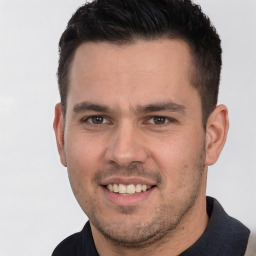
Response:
column 137, row 127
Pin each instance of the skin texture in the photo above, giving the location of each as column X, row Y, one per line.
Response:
column 128, row 88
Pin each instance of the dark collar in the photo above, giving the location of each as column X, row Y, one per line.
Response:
column 224, row 236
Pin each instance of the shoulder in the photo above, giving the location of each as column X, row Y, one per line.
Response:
column 224, row 235
column 80, row 243
column 67, row 246
column 222, row 221
column 229, row 234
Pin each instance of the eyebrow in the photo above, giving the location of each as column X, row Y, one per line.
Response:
column 87, row 106
column 165, row 106
column 154, row 107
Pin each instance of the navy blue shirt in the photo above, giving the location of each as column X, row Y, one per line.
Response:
column 224, row 236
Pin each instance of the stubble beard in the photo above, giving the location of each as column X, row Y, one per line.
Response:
column 164, row 223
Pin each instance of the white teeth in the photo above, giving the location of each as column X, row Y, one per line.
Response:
column 110, row 187
column 122, row 189
column 138, row 188
column 116, row 188
column 128, row 189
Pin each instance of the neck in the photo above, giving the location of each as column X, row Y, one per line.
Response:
column 186, row 234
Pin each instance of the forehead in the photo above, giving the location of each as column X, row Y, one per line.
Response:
column 133, row 73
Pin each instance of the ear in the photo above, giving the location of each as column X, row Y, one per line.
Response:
column 58, row 126
column 216, row 133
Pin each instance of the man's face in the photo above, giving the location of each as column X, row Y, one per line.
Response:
column 134, row 123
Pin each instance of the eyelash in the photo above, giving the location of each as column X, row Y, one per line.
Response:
column 166, row 120
column 86, row 120
column 108, row 121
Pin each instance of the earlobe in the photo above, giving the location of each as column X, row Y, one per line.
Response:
column 58, row 126
column 216, row 133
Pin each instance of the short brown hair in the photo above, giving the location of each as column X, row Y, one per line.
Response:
column 124, row 21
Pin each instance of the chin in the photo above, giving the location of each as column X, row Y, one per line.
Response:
column 131, row 235
column 133, row 230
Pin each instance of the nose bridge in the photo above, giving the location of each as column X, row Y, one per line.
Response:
column 125, row 145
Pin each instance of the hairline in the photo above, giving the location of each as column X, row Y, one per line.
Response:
column 193, row 72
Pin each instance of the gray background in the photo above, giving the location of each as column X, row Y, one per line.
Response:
column 37, row 207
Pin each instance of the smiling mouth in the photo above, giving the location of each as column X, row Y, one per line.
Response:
column 130, row 189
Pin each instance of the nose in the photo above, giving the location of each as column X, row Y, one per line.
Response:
column 126, row 146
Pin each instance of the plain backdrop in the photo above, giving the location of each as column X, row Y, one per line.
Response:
column 37, row 206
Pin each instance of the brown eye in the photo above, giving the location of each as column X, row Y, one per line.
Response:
column 159, row 120
column 97, row 120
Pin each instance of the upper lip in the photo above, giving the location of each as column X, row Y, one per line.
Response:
column 127, row 181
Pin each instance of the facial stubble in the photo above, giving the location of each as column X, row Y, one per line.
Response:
column 166, row 220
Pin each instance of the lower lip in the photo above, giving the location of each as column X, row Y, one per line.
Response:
column 126, row 200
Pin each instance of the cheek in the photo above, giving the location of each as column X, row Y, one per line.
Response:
column 83, row 151
column 178, row 159
column 83, row 160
